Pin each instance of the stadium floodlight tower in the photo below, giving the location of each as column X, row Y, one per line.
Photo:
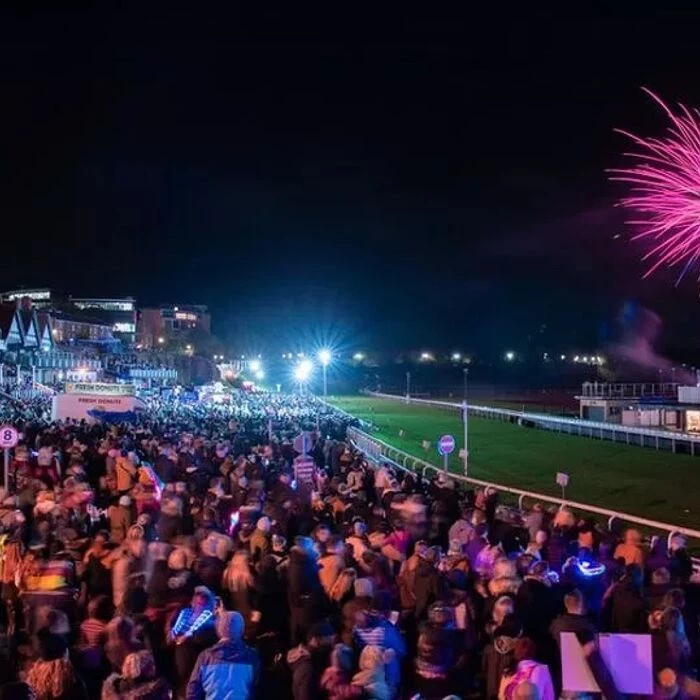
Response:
column 324, row 357
column 302, row 373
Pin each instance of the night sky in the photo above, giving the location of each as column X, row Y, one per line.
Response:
column 385, row 178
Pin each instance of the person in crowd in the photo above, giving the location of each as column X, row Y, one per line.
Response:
column 308, row 661
column 230, row 668
column 526, row 669
column 631, row 550
column 129, row 569
column 336, row 680
column 138, row 680
column 625, row 609
column 52, row 676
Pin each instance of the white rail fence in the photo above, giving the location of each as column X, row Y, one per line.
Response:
column 379, row 449
column 666, row 440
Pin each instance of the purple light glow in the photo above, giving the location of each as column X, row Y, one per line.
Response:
column 665, row 190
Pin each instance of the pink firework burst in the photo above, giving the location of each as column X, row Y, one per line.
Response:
column 665, row 190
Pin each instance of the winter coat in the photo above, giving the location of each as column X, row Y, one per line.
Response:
column 539, row 604
column 126, row 472
column 307, row 669
column 331, row 566
column 119, row 523
column 303, row 584
column 428, row 587
column 227, row 671
column 625, row 610
column 119, row 688
column 496, row 658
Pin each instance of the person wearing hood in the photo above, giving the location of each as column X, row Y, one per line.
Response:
column 260, row 539
column 372, row 675
column 304, row 589
column 137, row 681
column 307, row 662
column 229, row 669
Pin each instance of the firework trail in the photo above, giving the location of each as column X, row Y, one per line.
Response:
column 665, row 190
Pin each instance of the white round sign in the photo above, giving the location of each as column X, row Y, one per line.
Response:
column 9, row 436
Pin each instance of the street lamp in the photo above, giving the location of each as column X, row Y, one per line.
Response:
column 324, row 357
column 161, row 340
column 302, row 372
column 255, row 366
column 510, row 356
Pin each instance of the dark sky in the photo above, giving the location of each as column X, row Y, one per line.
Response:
column 387, row 177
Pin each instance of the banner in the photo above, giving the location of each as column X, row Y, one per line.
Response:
column 100, row 389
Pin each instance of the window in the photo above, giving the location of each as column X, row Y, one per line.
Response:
column 121, row 327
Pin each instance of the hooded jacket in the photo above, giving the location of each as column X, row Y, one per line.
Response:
column 227, row 671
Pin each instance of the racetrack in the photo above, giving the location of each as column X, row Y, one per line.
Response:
column 636, row 480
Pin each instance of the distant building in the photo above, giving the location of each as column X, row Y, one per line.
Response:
column 40, row 297
column 170, row 321
column 68, row 328
column 119, row 313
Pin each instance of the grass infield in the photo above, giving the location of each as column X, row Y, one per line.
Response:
column 637, row 480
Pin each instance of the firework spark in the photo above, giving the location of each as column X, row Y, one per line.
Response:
column 665, row 190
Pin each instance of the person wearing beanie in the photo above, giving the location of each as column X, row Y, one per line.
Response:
column 229, row 669
column 260, row 540
column 52, row 676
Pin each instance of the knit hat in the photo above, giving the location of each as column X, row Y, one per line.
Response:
column 364, row 588
column 124, row 501
column 263, row 524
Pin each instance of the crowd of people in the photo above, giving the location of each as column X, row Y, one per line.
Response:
column 186, row 557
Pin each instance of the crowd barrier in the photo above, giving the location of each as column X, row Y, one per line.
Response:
column 378, row 449
column 667, row 440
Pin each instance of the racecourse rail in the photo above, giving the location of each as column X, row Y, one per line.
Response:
column 630, row 435
column 377, row 450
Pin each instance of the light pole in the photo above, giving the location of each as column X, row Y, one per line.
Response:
column 324, row 357
column 465, row 420
column 408, row 386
